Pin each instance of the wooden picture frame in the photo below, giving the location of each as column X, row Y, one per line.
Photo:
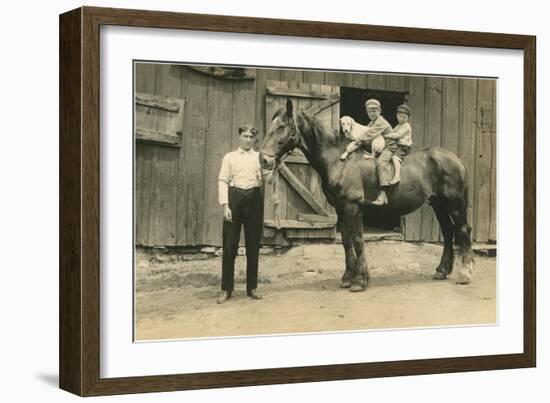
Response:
column 79, row 346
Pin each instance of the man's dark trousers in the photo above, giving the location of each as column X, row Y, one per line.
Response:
column 247, row 209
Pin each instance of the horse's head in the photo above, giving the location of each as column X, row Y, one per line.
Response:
column 281, row 137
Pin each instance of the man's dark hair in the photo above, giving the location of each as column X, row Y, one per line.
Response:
column 248, row 128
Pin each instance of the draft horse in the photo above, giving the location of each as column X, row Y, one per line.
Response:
column 433, row 175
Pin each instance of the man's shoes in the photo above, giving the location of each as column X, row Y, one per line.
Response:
column 253, row 294
column 224, row 296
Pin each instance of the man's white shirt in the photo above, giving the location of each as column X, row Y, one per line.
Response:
column 239, row 169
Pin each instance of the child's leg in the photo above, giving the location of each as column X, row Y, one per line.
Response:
column 354, row 145
column 397, row 166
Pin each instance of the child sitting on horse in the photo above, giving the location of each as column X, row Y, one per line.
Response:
column 402, row 135
column 378, row 126
column 398, row 145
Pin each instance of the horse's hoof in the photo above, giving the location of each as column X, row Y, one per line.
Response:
column 358, row 287
column 440, row 276
column 465, row 273
column 345, row 284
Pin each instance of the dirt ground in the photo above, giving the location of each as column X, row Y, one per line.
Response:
column 176, row 298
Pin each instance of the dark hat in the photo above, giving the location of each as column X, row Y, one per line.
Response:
column 405, row 109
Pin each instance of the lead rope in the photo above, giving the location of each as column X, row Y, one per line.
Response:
column 276, row 197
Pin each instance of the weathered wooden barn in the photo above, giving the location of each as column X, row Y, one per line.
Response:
column 186, row 119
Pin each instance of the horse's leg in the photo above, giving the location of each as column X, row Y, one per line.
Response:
column 347, row 242
column 354, row 218
column 463, row 238
column 447, row 228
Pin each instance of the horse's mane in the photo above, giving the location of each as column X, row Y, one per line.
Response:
column 322, row 134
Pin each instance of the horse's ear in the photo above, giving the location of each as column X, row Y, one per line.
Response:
column 289, row 107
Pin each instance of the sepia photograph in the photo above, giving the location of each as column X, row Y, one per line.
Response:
column 276, row 201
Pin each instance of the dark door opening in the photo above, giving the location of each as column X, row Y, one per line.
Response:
column 352, row 103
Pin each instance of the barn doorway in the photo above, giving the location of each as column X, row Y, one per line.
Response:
column 352, row 103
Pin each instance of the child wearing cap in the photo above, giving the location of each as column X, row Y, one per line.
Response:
column 402, row 134
column 378, row 126
column 398, row 145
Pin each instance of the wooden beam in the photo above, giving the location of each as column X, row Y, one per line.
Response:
column 228, row 73
column 321, row 106
column 294, row 92
column 484, row 246
column 325, row 234
column 317, row 218
column 159, row 102
column 302, row 190
column 152, row 136
column 294, row 224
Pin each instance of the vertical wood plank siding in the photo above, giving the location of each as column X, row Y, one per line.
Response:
column 467, row 135
column 144, row 82
column 417, row 91
column 164, row 190
column 192, row 157
column 176, row 188
column 485, row 117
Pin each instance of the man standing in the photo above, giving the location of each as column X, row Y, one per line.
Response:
column 239, row 193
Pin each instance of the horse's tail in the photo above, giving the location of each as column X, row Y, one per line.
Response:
column 458, row 197
column 466, row 193
column 450, row 179
column 466, row 186
column 466, row 200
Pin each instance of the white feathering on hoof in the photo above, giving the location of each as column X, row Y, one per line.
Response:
column 465, row 273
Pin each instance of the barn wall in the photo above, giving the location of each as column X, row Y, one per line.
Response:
column 459, row 115
column 176, row 189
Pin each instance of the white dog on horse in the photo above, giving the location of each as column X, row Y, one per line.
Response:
column 353, row 130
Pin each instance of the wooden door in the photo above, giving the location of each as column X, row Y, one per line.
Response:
column 158, row 131
column 302, row 211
